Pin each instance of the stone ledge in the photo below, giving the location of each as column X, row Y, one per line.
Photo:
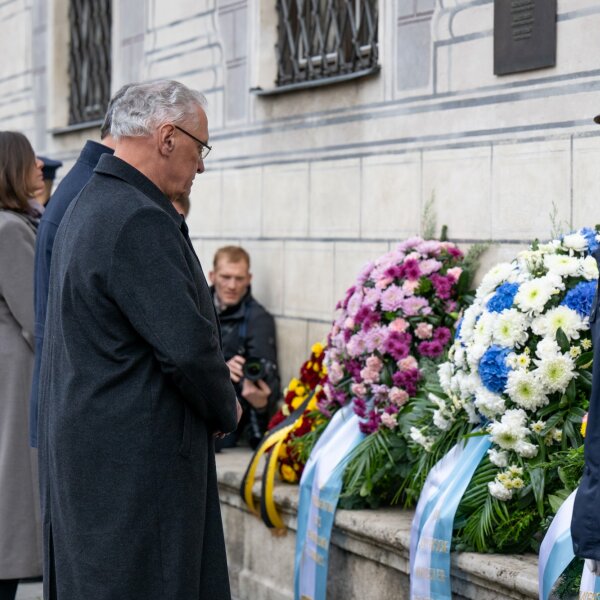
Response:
column 369, row 557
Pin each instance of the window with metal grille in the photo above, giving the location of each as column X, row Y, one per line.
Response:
column 89, row 59
column 324, row 39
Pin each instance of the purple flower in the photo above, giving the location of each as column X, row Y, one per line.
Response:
column 431, row 349
column 398, row 344
column 391, row 298
column 366, row 317
column 360, row 407
column 411, row 269
column 443, row 285
column 407, row 380
column 442, row 335
column 414, row 305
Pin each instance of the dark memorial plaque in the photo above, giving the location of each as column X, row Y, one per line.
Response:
column 524, row 35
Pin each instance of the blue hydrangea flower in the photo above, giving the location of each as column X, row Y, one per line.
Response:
column 458, row 328
column 581, row 297
column 493, row 369
column 590, row 235
column 503, row 298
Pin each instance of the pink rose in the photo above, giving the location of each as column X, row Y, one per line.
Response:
column 389, row 420
column 454, row 272
column 369, row 375
column 398, row 397
column 374, row 363
column 410, row 285
column 408, row 363
column 400, row 325
column 358, row 389
column 423, row 331
column 335, row 373
column 383, row 283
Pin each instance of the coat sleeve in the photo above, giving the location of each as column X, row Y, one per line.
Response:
column 16, row 274
column 153, row 285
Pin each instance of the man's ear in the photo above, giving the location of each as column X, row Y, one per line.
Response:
column 166, row 139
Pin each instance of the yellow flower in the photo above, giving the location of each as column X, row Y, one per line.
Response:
column 309, row 364
column 584, row 425
column 282, row 452
column 317, row 349
column 300, row 390
column 316, row 367
column 297, row 401
column 312, row 405
column 324, row 370
column 293, row 384
column 288, row 474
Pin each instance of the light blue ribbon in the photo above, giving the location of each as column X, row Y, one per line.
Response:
column 431, row 532
column 320, row 488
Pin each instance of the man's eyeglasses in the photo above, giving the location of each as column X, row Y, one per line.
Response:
column 204, row 148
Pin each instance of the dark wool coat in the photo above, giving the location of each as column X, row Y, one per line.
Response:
column 585, row 526
column 132, row 386
column 68, row 188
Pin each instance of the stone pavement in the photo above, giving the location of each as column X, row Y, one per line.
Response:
column 29, row 591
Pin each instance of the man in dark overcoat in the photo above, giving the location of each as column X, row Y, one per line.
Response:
column 133, row 384
column 68, row 189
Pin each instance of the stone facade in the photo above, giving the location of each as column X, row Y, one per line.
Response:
column 317, row 182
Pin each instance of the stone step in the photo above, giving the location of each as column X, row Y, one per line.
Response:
column 369, row 556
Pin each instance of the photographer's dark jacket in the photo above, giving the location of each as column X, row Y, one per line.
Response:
column 258, row 341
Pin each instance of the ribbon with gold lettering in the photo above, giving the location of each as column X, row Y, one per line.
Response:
column 431, row 532
column 320, row 488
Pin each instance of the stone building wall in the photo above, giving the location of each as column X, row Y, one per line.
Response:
column 316, row 182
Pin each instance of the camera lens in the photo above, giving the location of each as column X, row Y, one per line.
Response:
column 254, row 369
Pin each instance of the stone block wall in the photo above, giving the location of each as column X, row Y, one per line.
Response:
column 317, row 182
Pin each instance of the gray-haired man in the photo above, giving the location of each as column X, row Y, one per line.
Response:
column 134, row 382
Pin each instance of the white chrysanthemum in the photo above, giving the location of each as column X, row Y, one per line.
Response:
column 525, row 390
column 563, row 265
column 483, row 329
column 549, row 247
column 498, row 457
column 510, row 328
column 547, row 348
column 533, row 295
column 460, row 357
column 440, row 421
column 526, row 449
column 556, row 373
column 538, row 426
column 499, row 491
column 488, row 403
column 418, row 437
column 493, row 278
column 474, row 418
column 474, row 353
column 575, row 241
column 590, row 268
column 530, row 261
column 510, row 430
column 561, row 317
column 468, row 321
column 445, row 372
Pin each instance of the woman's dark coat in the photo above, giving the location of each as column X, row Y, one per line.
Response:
column 132, row 386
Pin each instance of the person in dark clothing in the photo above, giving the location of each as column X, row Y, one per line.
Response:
column 69, row 187
column 135, row 386
column 49, row 169
column 248, row 332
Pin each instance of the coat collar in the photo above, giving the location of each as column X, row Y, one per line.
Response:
column 116, row 167
column 92, row 151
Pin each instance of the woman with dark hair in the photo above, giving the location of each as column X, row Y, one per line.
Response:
column 20, row 527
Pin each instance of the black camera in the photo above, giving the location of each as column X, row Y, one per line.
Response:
column 257, row 368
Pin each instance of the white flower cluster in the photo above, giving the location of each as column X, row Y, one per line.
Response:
column 508, row 361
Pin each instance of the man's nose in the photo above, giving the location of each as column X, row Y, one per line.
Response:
column 200, row 168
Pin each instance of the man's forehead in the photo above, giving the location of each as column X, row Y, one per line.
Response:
column 224, row 265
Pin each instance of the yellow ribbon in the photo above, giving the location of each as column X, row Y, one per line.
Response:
column 272, row 440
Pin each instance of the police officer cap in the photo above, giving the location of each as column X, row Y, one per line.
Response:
column 597, row 119
column 50, row 166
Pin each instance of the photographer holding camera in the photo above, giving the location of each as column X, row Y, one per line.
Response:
column 249, row 345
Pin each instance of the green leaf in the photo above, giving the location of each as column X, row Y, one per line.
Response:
column 556, row 500
column 584, row 360
column 563, row 340
column 538, row 483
